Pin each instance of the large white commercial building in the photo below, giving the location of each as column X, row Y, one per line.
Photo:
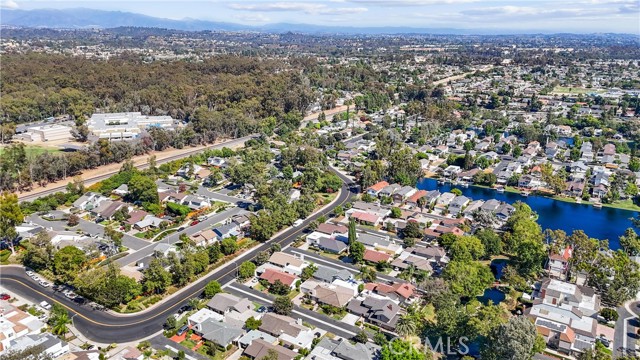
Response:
column 46, row 133
column 125, row 126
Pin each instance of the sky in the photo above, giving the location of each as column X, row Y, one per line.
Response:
column 578, row 16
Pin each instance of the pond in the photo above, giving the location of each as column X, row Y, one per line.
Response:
column 494, row 295
column 604, row 223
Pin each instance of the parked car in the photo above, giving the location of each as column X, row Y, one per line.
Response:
column 298, row 222
column 604, row 341
column 182, row 330
column 45, row 305
column 30, row 273
column 44, row 283
column 5, row 296
column 262, row 309
column 195, row 222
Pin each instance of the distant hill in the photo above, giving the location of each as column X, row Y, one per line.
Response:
column 82, row 18
column 88, row 18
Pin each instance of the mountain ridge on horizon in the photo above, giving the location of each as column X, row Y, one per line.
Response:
column 86, row 18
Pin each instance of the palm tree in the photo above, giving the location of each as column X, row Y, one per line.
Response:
column 406, row 326
column 194, row 303
column 60, row 324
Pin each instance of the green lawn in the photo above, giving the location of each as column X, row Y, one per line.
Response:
column 32, row 150
column 188, row 343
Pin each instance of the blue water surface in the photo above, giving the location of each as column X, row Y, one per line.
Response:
column 603, row 223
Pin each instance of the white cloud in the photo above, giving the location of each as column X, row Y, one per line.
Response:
column 395, row 3
column 307, row 8
column 8, row 4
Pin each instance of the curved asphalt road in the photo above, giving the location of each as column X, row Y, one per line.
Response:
column 104, row 327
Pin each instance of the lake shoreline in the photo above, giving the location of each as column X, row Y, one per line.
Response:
column 600, row 223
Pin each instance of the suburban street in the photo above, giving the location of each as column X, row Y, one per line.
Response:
column 107, row 327
column 147, row 250
column 626, row 328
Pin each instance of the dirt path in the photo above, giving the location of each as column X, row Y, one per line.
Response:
column 461, row 76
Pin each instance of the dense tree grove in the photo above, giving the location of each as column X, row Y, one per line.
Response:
column 220, row 97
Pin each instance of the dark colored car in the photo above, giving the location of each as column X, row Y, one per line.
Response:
column 262, row 309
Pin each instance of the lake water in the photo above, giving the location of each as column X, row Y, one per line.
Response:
column 604, row 223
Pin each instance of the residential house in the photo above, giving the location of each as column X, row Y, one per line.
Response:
column 445, row 199
column 89, row 201
column 331, row 245
column 50, row 344
column 291, row 333
column 565, row 315
column 366, row 218
column 288, row 263
column 379, row 311
column 559, row 263
column 415, row 198
column 271, row 275
column 226, row 231
column 223, row 303
column 259, row 349
column 374, row 189
column 221, row 334
column 253, row 335
column 403, row 194
column 457, row 204
column 331, row 294
column 341, row 349
column 375, row 257
column 149, row 221
column 389, row 190
column 330, row 274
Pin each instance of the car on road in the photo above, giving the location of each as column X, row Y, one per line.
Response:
column 182, row 330
column 35, row 277
column 195, row 222
column 183, row 309
column 5, row 296
column 30, row 273
column 181, row 228
column 298, row 222
column 44, row 283
column 45, row 305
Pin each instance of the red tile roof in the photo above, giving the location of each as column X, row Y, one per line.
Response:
column 414, row 198
column 404, row 289
column 379, row 186
column 272, row 275
column 361, row 216
column 375, row 256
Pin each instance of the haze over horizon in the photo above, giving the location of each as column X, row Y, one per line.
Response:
column 576, row 16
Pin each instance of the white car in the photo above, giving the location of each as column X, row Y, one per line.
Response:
column 35, row 277
column 298, row 222
column 30, row 273
column 45, row 305
column 45, row 283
